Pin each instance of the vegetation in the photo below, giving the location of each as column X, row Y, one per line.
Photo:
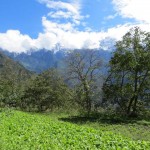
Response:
column 46, row 91
column 13, row 77
column 32, row 131
column 135, row 129
column 128, row 82
column 84, row 68
column 113, row 103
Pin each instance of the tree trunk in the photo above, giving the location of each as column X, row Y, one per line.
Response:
column 88, row 99
column 135, row 97
column 129, row 106
column 133, row 113
column 88, row 106
column 135, row 103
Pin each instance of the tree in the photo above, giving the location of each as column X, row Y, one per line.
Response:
column 45, row 91
column 128, row 83
column 12, row 80
column 83, row 68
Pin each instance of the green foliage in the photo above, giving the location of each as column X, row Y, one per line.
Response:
column 46, row 91
column 136, row 129
column 12, row 80
column 128, row 83
column 84, row 70
column 20, row 130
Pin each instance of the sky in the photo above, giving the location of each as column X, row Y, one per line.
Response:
column 71, row 24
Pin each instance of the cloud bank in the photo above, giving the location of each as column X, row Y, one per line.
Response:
column 135, row 9
column 68, row 35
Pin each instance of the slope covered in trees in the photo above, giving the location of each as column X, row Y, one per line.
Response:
column 9, row 66
column 12, row 78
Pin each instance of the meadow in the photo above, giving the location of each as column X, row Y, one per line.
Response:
column 30, row 131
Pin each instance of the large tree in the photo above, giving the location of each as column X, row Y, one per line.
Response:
column 46, row 91
column 83, row 68
column 128, row 82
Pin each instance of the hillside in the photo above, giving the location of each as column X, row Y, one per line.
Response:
column 41, row 60
column 13, row 77
column 34, row 131
column 38, row 61
column 9, row 67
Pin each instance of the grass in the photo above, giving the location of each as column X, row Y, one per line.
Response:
column 24, row 131
column 135, row 129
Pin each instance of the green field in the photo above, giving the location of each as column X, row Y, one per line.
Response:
column 24, row 131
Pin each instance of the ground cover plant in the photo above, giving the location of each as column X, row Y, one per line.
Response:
column 19, row 130
column 133, row 128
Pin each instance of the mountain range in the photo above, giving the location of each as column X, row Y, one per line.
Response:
column 38, row 61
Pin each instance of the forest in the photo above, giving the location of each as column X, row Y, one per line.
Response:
column 85, row 92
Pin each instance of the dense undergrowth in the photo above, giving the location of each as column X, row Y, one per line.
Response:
column 23, row 131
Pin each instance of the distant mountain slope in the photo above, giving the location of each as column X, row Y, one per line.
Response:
column 41, row 60
column 9, row 67
column 38, row 61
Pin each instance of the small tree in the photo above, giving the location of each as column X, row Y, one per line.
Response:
column 83, row 68
column 128, row 81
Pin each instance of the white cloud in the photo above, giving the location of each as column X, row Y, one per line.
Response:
column 64, row 10
column 136, row 9
column 54, row 27
column 60, row 14
column 14, row 41
column 67, row 34
column 69, row 37
column 110, row 17
column 71, row 7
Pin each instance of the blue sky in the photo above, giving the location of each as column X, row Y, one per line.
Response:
column 23, row 15
column 37, row 24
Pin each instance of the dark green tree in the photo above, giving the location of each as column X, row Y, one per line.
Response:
column 12, row 80
column 128, row 83
column 45, row 91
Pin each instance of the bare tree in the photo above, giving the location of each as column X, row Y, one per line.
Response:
column 84, row 67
